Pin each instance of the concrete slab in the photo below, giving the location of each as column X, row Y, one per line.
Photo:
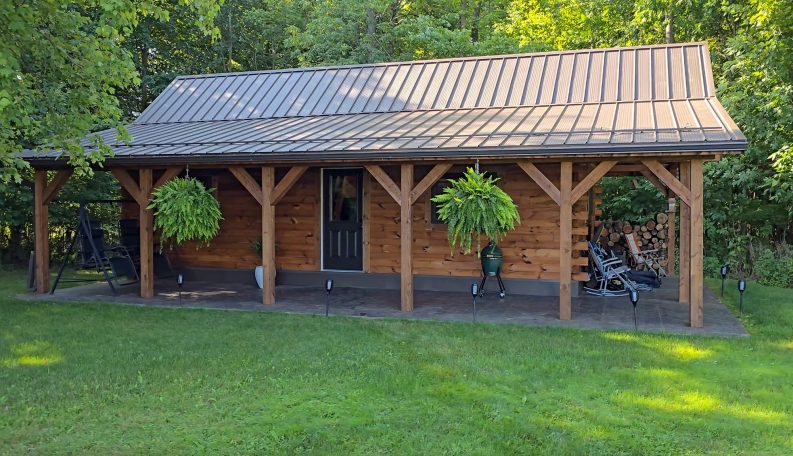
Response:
column 658, row 311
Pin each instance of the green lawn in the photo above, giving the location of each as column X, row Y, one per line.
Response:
column 104, row 379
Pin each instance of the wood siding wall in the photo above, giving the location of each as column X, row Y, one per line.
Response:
column 530, row 252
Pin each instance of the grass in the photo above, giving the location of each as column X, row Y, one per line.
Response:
column 104, row 379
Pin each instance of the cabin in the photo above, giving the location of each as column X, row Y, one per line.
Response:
column 333, row 168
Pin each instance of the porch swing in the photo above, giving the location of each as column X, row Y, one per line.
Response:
column 92, row 254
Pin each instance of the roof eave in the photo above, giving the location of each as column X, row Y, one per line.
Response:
column 500, row 153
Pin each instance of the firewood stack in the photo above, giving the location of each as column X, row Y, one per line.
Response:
column 652, row 235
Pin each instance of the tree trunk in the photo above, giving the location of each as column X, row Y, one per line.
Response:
column 475, row 21
column 463, row 14
column 371, row 28
column 670, row 27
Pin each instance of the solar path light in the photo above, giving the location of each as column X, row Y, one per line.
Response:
column 328, row 289
column 741, row 289
column 179, row 283
column 474, row 294
column 724, row 271
column 634, row 296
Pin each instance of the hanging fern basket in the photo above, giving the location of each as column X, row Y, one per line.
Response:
column 184, row 210
column 472, row 206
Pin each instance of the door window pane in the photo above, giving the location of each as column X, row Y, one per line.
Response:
column 343, row 198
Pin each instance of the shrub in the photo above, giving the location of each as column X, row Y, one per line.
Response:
column 774, row 268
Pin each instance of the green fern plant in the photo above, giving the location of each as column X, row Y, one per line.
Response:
column 474, row 205
column 184, row 211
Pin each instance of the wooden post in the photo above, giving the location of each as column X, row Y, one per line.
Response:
column 696, row 250
column 671, row 238
column 146, row 221
column 268, row 235
column 565, row 239
column 685, row 237
column 41, row 222
column 406, row 239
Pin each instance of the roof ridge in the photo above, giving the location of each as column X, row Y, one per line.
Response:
column 448, row 59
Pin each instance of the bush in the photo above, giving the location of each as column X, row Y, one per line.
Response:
column 774, row 268
column 711, row 267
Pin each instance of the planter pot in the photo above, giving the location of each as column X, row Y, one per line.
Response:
column 492, row 258
column 259, row 274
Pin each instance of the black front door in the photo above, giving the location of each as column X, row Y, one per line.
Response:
column 342, row 237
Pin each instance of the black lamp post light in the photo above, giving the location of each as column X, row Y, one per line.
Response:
column 634, row 296
column 724, row 271
column 179, row 283
column 741, row 289
column 328, row 289
column 474, row 294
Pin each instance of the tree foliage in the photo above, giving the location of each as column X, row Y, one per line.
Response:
column 61, row 65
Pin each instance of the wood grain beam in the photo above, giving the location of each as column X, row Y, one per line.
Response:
column 544, row 183
column 696, row 300
column 248, row 182
column 685, row 238
column 655, row 181
column 169, row 174
column 669, row 180
column 128, row 183
column 406, row 239
column 382, row 178
column 591, row 179
column 57, row 182
column 42, row 232
column 424, row 184
column 146, row 220
column 565, row 240
column 287, row 182
column 268, row 235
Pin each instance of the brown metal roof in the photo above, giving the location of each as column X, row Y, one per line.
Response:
column 653, row 98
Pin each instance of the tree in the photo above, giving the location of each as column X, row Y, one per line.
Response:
column 61, row 65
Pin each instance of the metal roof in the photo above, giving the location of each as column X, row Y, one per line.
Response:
column 652, row 98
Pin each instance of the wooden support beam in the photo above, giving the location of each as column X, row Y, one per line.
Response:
column 565, row 240
column 146, row 220
column 685, row 238
column 42, row 232
column 538, row 177
column 169, row 174
column 367, row 223
column 655, row 181
column 382, row 178
column 668, row 180
column 697, row 233
column 406, row 238
column 591, row 179
column 287, row 182
column 671, row 238
column 248, row 182
column 128, row 183
column 424, row 184
column 268, row 234
column 57, row 182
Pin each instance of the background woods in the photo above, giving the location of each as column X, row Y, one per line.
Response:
column 66, row 70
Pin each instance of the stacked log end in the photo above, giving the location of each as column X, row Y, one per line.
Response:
column 651, row 235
